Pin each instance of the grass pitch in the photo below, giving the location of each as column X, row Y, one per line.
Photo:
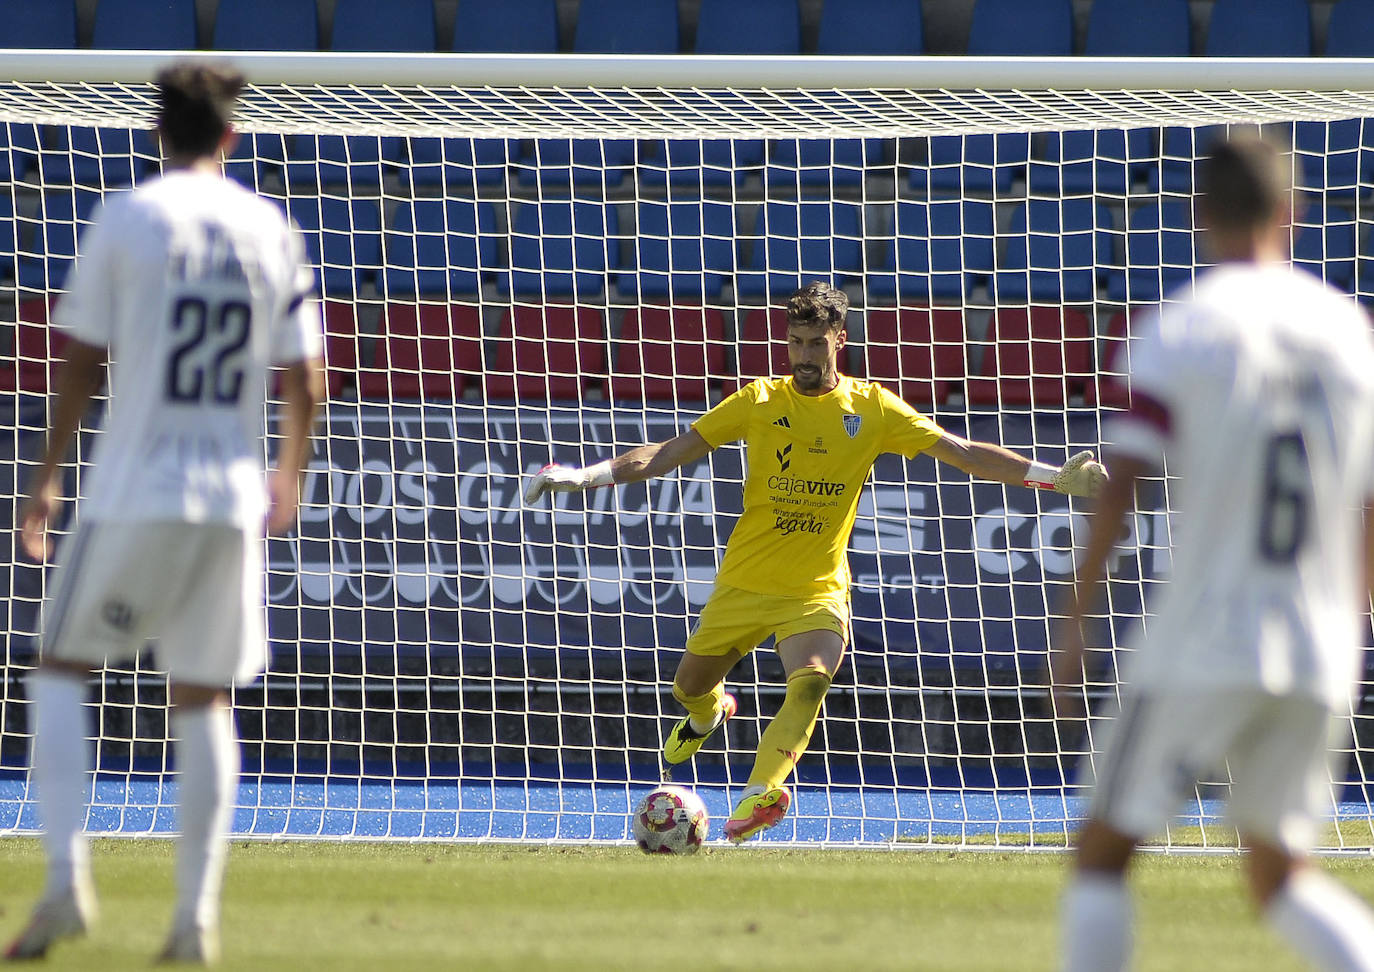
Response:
column 336, row 906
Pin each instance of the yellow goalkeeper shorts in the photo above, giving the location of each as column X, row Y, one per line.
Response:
column 735, row 619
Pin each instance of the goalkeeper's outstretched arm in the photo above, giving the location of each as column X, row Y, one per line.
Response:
column 637, row 465
column 1082, row 475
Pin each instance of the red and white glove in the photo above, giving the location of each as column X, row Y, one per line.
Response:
column 568, row 479
column 1082, row 475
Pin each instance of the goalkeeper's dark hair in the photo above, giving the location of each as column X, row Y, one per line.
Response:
column 1243, row 184
column 818, row 304
column 195, row 102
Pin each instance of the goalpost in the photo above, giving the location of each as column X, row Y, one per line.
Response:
column 527, row 259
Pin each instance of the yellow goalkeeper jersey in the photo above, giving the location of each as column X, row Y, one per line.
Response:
column 807, row 460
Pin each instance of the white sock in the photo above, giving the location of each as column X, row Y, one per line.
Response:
column 1095, row 924
column 60, row 771
column 1324, row 922
column 207, row 756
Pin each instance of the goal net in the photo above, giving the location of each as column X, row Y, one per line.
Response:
column 535, row 259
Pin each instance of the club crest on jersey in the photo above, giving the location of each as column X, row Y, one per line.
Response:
column 851, row 424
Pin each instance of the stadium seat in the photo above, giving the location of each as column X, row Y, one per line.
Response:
column 1139, row 28
column 1335, row 158
column 1324, row 238
column 30, row 24
column 511, row 26
column 343, row 237
column 459, row 164
column 425, row 351
column 355, row 161
column 1053, row 250
column 1259, row 28
column 668, row 354
column 1108, row 387
column 1084, row 163
column 254, row 158
column 62, row 216
column 1159, row 251
column 1180, row 151
column 917, row 352
column 547, row 353
column 439, row 247
column 38, row 347
column 799, row 241
column 1033, row 27
column 762, row 347
column 559, row 248
column 1350, row 29
column 757, row 27
column 971, row 164
column 871, row 27
column 626, row 27
column 684, row 250
column 129, row 25
column 555, row 163
column 1036, row 356
column 394, row 26
column 96, row 158
column 267, row 25
column 19, row 149
column 943, row 249
column 813, row 162
column 340, row 345
column 697, row 165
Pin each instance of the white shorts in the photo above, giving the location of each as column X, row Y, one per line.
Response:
column 195, row 588
column 1277, row 750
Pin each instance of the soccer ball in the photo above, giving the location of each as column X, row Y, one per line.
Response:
column 670, row 820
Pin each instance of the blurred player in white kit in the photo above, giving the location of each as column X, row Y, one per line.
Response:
column 1258, row 387
column 191, row 287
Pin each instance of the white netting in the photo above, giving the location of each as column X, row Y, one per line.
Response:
column 513, row 274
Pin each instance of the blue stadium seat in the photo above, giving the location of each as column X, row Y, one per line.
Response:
column 1350, row 29
column 352, row 160
column 943, row 249
column 757, row 27
column 61, row 218
column 692, row 165
column 963, row 164
column 1260, row 28
column 1039, row 27
column 343, row 237
column 559, row 162
column 397, row 25
column 1335, row 158
column 460, row 163
column 9, row 235
column 807, row 162
column 511, row 26
column 1324, row 243
column 97, row 157
column 267, row 25
column 254, row 157
column 132, row 25
column 684, row 250
column 559, row 248
column 19, row 149
column 871, row 27
column 439, row 247
column 1180, row 151
column 626, row 27
column 1076, row 163
column 1160, row 253
column 34, row 24
column 1054, row 249
column 800, row 241
column 1139, row 28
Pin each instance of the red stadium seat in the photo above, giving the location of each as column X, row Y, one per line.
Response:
column 917, row 352
column 1036, row 356
column 425, row 351
column 668, row 354
column 762, row 347
column 1110, row 389
column 340, row 345
column 549, row 352
column 37, row 346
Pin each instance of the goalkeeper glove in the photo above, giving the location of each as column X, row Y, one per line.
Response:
column 1082, row 475
column 568, row 479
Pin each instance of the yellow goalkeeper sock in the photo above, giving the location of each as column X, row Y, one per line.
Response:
column 785, row 739
column 701, row 709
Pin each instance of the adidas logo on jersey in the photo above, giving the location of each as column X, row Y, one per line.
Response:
column 782, row 423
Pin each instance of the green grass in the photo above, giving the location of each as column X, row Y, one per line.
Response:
column 305, row 906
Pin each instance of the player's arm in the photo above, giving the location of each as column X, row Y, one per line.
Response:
column 1082, row 475
column 637, row 465
column 302, row 388
column 77, row 380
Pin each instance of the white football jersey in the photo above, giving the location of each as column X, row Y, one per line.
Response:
column 1258, row 392
column 196, row 286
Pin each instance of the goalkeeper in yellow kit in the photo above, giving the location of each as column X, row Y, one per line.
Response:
column 812, row 439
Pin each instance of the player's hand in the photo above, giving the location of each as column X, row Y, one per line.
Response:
column 284, row 496
column 566, row 479
column 37, row 511
column 1082, row 475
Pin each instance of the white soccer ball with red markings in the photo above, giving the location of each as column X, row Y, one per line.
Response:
column 670, row 820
